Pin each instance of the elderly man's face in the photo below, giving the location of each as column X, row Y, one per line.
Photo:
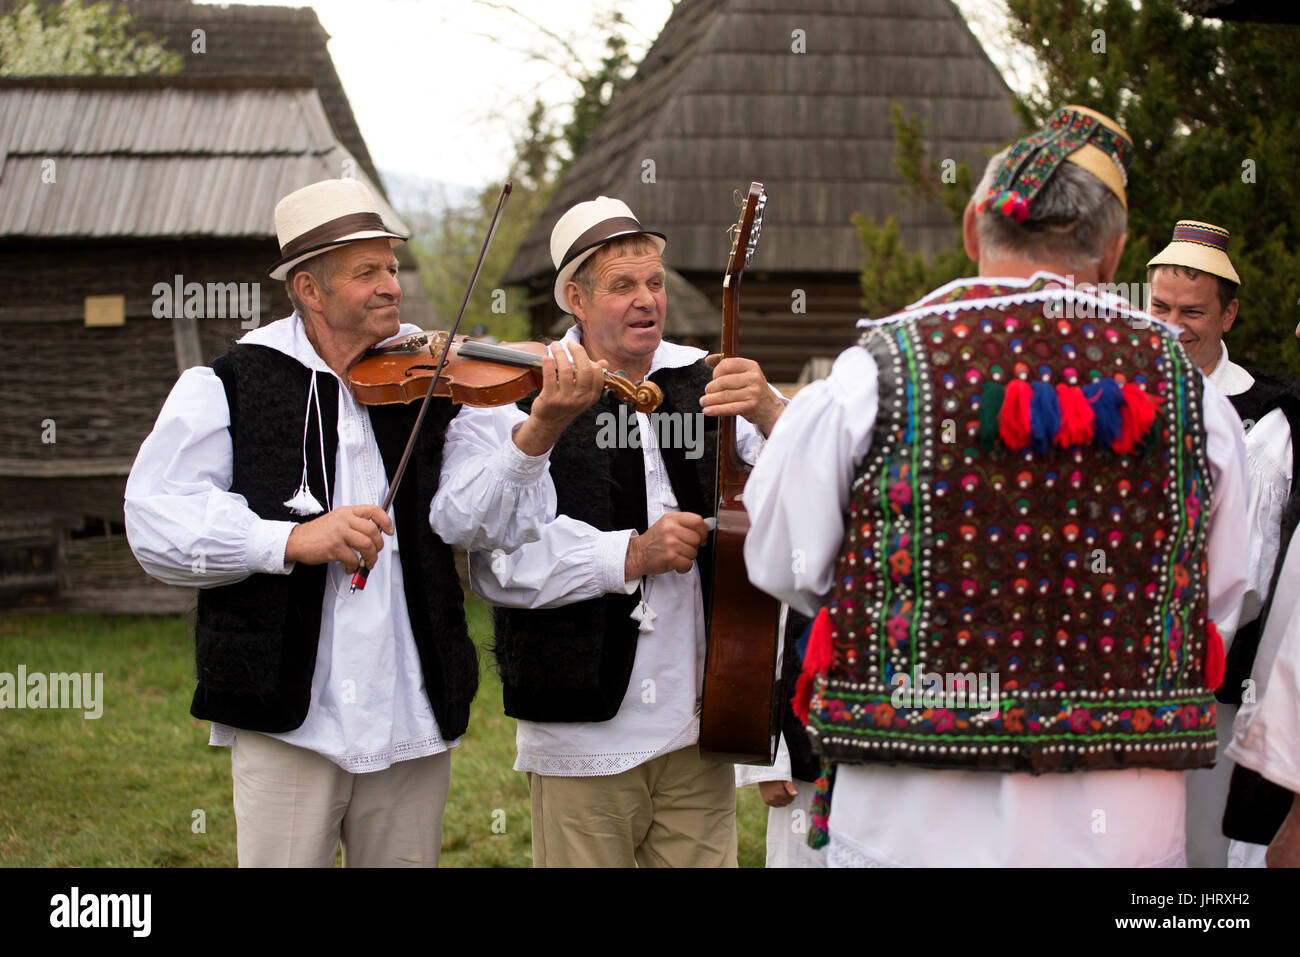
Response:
column 361, row 303
column 623, row 321
column 1193, row 306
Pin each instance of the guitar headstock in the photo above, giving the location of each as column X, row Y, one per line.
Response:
column 744, row 234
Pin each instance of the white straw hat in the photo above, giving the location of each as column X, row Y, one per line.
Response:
column 584, row 229
column 1198, row 246
column 316, row 218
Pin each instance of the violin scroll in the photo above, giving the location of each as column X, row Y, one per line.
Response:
column 645, row 395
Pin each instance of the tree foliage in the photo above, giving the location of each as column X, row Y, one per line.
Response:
column 448, row 244
column 892, row 276
column 76, row 38
column 1212, row 108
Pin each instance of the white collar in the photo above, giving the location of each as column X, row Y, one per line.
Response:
column 668, row 355
column 1228, row 377
column 289, row 336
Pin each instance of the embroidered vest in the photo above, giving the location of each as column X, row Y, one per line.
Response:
column 573, row 663
column 1022, row 584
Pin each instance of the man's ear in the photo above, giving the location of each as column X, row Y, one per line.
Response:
column 1229, row 315
column 1109, row 264
column 573, row 296
column 308, row 290
column 970, row 234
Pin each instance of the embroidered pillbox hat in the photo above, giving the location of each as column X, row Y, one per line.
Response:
column 1198, row 246
column 1075, row 133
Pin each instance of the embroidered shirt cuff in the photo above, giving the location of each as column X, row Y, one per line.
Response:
column 518, row 465
column 611, row 562
column 264, row 551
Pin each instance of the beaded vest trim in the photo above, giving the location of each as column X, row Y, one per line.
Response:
column 1071, row 573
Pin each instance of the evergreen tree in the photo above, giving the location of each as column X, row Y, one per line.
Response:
column 1212, row 108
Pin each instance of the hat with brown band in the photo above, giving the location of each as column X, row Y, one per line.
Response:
column 584, row 229
column 316, row 218
column 1075, row 133
column 1198, row 246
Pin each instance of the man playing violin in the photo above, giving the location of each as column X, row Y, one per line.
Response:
column 600, row 636
column 259, row 485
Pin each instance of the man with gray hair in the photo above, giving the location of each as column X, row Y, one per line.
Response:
column 259, row 485
column 1018, row 508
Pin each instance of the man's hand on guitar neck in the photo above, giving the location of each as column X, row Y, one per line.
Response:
column 740, row 388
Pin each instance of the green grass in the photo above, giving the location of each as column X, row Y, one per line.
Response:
column 122, row 790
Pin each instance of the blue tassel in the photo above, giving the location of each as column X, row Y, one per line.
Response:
column 1106, row 399
column 1044, row 416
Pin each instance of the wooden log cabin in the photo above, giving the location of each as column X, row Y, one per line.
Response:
column 109, row 187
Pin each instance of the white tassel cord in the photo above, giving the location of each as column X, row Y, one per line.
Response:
column 302, row 502
column 643, row 613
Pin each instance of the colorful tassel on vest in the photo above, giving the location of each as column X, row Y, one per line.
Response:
column 1215, row 659
column 816, row 661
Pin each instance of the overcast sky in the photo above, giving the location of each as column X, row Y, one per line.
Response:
column 440, row 88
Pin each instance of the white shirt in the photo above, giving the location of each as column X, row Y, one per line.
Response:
column 898, row 815
column 1266, row 735
column 1268, row 454
column 368, row 706
column 573, row 562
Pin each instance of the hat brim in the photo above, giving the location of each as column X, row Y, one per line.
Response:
column 564, row 275
column 1196, row 256
column 281, row 269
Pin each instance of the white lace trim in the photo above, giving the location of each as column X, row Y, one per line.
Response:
column 1098, row 299
column 223, row 736
column 598, row 765
column 845, row 852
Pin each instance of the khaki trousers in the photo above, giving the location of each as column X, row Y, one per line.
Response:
column 678, row 810
column 293, row 807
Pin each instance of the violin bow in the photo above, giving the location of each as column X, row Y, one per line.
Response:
column 363, row 572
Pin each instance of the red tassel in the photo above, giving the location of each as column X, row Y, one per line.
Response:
column 816, row 661
column 1076, row 417
column 1137, row 413
column 1013, row 420
column 1215, row 660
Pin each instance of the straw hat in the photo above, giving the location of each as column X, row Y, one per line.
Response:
column 316, row 218
column 584, row 229
column 1198, row 246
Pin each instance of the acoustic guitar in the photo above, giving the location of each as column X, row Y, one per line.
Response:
column 740, row 718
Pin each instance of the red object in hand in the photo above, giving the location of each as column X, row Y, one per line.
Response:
column 359, row 578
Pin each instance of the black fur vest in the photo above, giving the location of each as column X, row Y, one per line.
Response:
column 255, row 641
column 573, row 663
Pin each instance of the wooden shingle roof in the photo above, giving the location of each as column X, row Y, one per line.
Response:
column 722, row 98
column 161, row 156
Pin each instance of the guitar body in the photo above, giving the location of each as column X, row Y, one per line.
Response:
column 741, row 712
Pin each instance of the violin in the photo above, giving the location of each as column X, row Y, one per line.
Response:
column 473, row 373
